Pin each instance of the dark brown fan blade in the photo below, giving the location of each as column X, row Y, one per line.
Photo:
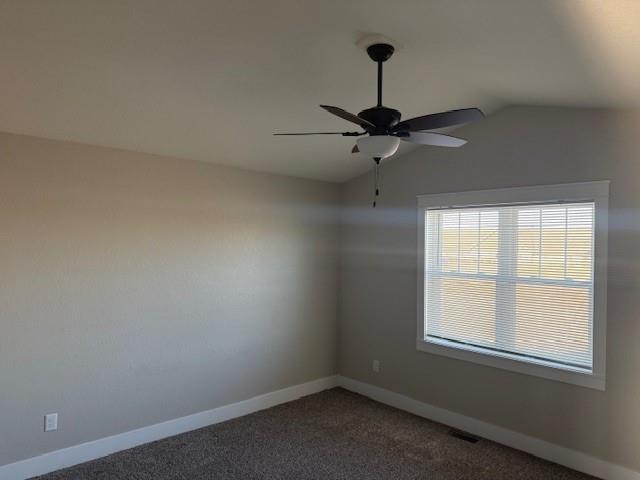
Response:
column 439, row 120
column 355, row 149
column 344, row 134
column 430, row 138
column 350, row 117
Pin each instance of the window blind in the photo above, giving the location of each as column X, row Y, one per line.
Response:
column 513, row 281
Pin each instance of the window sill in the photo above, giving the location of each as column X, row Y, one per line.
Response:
column 498, row 360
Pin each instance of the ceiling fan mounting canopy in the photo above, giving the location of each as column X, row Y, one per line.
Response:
column 380, row 52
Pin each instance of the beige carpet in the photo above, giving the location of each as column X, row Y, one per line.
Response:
column 334, row 434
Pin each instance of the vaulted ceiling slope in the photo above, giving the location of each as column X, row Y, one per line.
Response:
column 212, row 79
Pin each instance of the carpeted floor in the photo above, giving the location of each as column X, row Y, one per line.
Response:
column 334, row 434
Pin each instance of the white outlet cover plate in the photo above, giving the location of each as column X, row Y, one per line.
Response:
column 376, row 366
column 51, row 422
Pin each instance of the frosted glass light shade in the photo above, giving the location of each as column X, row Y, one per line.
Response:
column 378, row 146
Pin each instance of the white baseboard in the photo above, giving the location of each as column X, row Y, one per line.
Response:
column 540, row 448
column 84, row 452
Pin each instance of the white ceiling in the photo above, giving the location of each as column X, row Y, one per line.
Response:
column 212, row 79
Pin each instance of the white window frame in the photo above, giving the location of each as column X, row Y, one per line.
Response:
column 597, row 192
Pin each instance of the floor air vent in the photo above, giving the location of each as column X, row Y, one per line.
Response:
column 467, row 437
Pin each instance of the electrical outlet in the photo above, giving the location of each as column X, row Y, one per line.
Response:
column 51, row 422
column 376, row 366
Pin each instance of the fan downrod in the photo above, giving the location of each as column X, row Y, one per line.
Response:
column 380, row 53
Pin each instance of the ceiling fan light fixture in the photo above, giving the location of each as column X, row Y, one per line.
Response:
column 378, row 146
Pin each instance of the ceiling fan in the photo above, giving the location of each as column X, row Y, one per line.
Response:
column 383, row 126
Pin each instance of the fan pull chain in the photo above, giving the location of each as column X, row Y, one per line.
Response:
column 376, row 181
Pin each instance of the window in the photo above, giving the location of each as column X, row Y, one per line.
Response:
column 516, row 279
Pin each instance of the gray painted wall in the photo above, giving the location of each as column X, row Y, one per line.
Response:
column 377, row 314
column 137, row 289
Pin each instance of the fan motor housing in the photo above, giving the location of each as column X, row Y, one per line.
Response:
column 382, row 117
